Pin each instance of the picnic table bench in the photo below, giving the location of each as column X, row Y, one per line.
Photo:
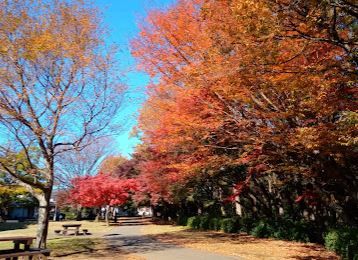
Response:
column 17, row 252
column 74, row 227
column 67, row 227
column 25, row 240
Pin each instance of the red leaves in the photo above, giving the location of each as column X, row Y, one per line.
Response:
column 310, row 197
column 299, row 198
column 238, row 189
column 102, row 189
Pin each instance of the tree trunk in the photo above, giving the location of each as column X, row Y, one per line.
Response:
column 79, row 213
column 107, row 214
column 98, row 214
column 43, row 218
column 238, row 208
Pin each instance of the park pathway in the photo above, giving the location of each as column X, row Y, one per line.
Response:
column 129, row 238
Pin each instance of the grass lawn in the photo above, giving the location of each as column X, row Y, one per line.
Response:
column 238, row 245
column 70, row 247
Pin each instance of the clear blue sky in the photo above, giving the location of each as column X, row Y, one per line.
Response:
column 121, row 18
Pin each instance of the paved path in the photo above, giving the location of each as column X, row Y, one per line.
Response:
column 130, row 239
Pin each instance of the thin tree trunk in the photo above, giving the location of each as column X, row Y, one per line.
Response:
column 107, row 214
column 238, row 208
column 79, row 213
column 98, row 214
column 43, row 218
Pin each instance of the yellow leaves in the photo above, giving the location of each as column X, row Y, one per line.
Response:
column 348, row 125
column 37, row 44
column 38, row 30
column 308, row 137
column 255, row 18
column 11, row 190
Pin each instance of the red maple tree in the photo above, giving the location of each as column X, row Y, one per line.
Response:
column 102, row 190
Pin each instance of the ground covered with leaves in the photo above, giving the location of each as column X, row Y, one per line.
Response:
column 238, row 245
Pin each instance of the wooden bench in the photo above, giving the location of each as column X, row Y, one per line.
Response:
column 19, row 240
column 30, row 254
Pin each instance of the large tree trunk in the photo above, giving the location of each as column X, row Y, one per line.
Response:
column 43, row 218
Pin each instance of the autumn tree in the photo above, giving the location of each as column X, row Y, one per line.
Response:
column 57, row 89
column 263, row 84
column 111, row 164
column 102, row 190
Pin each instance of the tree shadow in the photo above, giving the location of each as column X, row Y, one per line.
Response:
column 114, row 245
column 110, row 235
column 310, row 257
column 13, row 226
column 195, row 236
column 129, row 224
column 137, row 244
column 313, row 248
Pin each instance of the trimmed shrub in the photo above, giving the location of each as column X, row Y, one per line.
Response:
column 214, row 224
column 282, row 229
column 230, row 225
column 204, row 222
column 290, row 230
column 194, row 222
column 339, row 239
column 182, row 220
column 262, row 230
column 70, row 215
column 246, row 224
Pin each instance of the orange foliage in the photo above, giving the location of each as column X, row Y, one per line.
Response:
column 236, row 85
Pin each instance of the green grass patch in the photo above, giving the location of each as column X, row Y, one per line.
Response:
column 71, row 246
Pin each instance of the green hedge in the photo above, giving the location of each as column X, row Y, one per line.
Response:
column 284, row 229
column 295, row 230
column 204, row 223
column 215, row 224
column 228, row 225
column 339, row 239
column 182, row 220
column 247, row 224
column 194, row 222
column 262, row 230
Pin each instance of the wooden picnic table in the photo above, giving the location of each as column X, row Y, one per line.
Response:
column 25, row 240
column 66, row 227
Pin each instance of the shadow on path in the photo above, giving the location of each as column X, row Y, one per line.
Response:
column 131, row 240
column 138, row 244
